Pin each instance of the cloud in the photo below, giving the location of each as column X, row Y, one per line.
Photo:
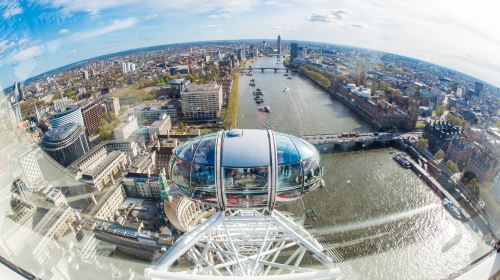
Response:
column 117, row 24
column 328, row 16
column 279, row 27
column 223, row 15
column 6, row 45
column 151, row 16
column 212, row 26
column 27, row 54
column 63, row 31
column 357, row 25
column 10, row 8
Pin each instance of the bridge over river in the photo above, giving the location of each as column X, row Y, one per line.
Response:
column 262, row 69
column 351, row 141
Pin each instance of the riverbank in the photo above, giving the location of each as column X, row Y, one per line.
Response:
column 231, row 113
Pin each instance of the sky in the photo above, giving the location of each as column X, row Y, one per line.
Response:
column 40, row 35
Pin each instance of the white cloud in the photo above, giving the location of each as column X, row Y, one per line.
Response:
column 63, row 31
column 212, row 26
column 27, row 54
column 151, row 16
column 5, row 45
column 117, row 24
column 74, row 51
column 10, row 8
column 220, row 16
column 328, row 15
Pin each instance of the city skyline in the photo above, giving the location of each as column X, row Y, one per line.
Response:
column 67, row 32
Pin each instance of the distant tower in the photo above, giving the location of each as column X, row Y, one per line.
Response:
column 18, row 91
column 360, row 73
column 85, row 74
column 412, row 114
column 293, row 51
column 37, row 114
column 278, row 44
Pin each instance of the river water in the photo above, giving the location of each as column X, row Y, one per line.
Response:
column 382, row 219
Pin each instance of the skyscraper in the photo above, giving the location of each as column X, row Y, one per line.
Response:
column 66, row 143
column 18, row 91
column 278, row 45
column 85, row 74
column 293, row 51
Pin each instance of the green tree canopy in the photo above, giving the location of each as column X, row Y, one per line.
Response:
column 423, row 143
column 439, row 154
column 452, row 166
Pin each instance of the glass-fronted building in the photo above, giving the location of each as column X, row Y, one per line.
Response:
column 246, row 168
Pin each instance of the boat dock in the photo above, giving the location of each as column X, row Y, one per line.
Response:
column 436, row 186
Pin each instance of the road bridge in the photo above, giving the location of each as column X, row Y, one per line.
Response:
column 262, row 69
column 352, row 141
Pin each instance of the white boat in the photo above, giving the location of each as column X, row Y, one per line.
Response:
column 267, row 109
column 286, row 89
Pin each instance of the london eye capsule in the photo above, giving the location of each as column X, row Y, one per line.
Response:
column 245, row 168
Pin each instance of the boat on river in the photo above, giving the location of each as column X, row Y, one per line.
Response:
column 452, row 208
column 252, row 84
column 267, row 109
column 402, row 160
column 286, row 89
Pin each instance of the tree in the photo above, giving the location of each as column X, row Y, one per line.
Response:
column 439, row 111
column 439, row 154
column 452, row 166
column 423, row 143
column 474, row 183
column 108, row 124
column 456, row 119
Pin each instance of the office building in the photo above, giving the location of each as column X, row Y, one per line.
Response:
column 160, row 127
column 202, row 102
column 126, row 128
column 142, row 185
column 440, row 134
column 293, row 51
column 124, row 68
column 66, row 143
column 278, row 44
column 18, row 91
column 85, row 74
column 478, row 87
column 15, row 112
column 93, row 114
column 102, row 171
column 109, row 202
column 113, row 105
column 72, row 114
column 241, row 54
column 130, row 67
column 61, row 104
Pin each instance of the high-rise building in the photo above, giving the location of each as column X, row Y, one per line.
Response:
column 66, row 143
column 18, row 91
column 72, row 114
column 202, row 102
column 278, row 45
column 293, row 51
column 15, row 112
column 93, row 113
column 124, row 68
column 113, row 105
column 478, row 87
column 241, row 54
column 130, row 67
column 61, row 104
column 85, row 74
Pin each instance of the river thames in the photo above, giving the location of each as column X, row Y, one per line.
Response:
column 382, row 219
